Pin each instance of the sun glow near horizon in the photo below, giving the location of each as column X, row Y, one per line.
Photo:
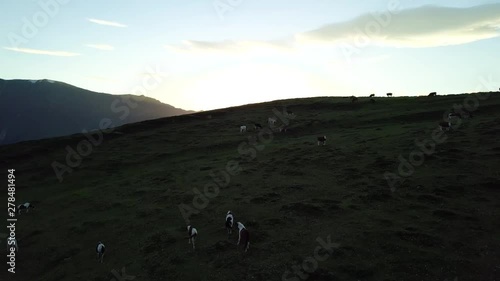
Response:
column 244, row 84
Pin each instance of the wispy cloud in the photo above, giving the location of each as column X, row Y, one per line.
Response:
column 43, row 52
column 230, row 46
column 423, row 27
column 103, row 47
column 105, row 22
column 427, row 26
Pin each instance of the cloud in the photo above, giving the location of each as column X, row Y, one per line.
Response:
column 104, row 22
column 43, row 52
column 230, row 46
column 427, row 26
column 103, row 47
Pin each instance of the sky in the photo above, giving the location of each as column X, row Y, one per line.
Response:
column 207, row 54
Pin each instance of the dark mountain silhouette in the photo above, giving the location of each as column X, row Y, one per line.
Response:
column 36, row 109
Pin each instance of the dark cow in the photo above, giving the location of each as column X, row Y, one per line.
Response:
column 354, row 99
column 372, row 95
column 445, row 126
column 100, row 249
column 257, row 126
column 433, row 94
column 389, row 94
column 26, row 206
column 322, row 140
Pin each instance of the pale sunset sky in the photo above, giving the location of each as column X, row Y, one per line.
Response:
column 213, row 54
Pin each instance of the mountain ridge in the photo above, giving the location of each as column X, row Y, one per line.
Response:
column 36, row 109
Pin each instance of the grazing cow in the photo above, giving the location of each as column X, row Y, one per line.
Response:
column 283, row 129
column 192, row 233
column 243, row 129
column 445, row 126
column 433, row 94
column 271, row 121
column 257, row 126
column 244, row 237
column 389, row 94
column 353, row 99
column 100, row 249
column 26, row 206
column 372, row 95
column 12, row 243
column 229, row 222
column 322, row 140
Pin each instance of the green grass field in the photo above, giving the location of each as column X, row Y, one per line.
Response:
column 442, row 222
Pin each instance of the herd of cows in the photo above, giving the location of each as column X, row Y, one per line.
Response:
column 243, row 233
column 444, row 126
column 243, row 236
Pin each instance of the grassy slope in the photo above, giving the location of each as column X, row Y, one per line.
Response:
column 126, row 193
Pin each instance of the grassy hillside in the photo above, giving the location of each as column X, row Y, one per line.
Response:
column 442, row 222
column 37, row 109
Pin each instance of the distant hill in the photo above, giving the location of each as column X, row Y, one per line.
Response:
column 36, row 109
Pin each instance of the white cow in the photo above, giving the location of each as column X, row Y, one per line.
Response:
column 243, row 129
column 244, row 237
column 192, row 233
column 229, row 222
column 271, row 121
